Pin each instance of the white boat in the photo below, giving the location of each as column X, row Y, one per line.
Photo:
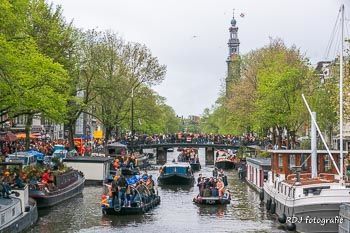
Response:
column 305, row 188
column 17, row 212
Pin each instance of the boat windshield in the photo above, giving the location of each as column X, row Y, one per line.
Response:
column 181, row 170
column 24, row 160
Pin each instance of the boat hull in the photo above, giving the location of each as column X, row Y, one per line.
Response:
column 211, row 200
column 195, row 166
column 45, row 200
column 25, row 221
column 225, row 164
column 175, row 179
column 132, row 210
column 304, row 215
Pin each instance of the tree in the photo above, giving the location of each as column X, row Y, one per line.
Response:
column 30, row 82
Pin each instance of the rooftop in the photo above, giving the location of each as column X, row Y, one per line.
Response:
column 260, row 161
column 87, row 159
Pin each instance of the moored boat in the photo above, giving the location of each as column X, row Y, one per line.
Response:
column 176, row 174
column 63, row 187
column 18, row 212
column 224, row 160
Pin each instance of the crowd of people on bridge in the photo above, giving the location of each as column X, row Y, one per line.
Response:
column 197, row 138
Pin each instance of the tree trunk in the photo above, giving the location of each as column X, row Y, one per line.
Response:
column 279, row 141
column 71, row 129
column 330, row 130
column 288, row 140
column 108, row 133
column 28, row 127
column 273, row 136
column 292, row 136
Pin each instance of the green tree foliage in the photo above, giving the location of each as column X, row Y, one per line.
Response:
column 50, row 68
column 267, row 95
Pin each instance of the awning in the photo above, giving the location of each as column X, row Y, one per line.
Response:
column 32, row 136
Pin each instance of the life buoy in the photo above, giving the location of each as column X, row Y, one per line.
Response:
column 282, row 219
column 273, row 208
column 261, row 196
column 291, row 226
column 268, row 204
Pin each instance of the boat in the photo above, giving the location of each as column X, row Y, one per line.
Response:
column 18, row 212
column 143, row 199
column 171, row 149
column 306, row 194
column 190, row 155
column 67, row 185
column 176, row 173
column 224, row 160
column 26, row 158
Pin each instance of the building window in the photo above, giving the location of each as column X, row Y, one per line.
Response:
column 304, row 161
column 13, row 211
column 2, row 219
column 327, row 163
column 291, row 161
column 280, row 161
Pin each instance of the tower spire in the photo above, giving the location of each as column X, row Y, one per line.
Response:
column 233, row 64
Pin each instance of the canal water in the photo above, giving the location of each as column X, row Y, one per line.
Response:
column 176, row 213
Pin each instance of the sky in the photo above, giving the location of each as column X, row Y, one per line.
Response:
column 190, row 36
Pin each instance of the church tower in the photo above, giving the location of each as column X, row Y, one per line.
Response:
column 233, row 59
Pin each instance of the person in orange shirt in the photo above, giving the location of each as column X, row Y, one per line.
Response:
column 221, row 187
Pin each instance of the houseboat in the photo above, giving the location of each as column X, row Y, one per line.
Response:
column 95, row 169
column 224, row 160
column 176, row 174
column 18, row 212
column 303, row 201
column 64, row 186
column 257, row 172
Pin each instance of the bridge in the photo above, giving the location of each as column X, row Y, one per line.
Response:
column 209, row 149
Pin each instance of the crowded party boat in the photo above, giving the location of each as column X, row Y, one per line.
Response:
column 126, row 196
column 190, row 155
column 212, row 191
column 224, row 160
column 51, row 187
column 176, row 173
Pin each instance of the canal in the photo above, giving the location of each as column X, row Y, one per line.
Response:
column 176, row 213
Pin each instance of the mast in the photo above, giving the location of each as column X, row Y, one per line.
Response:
column 132, row 119
column 341, row 95
column 313, row 147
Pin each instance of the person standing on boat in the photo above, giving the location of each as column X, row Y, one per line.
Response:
column 215, row 173
column 122, row 185
column 114, row 189
column 221, row 187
